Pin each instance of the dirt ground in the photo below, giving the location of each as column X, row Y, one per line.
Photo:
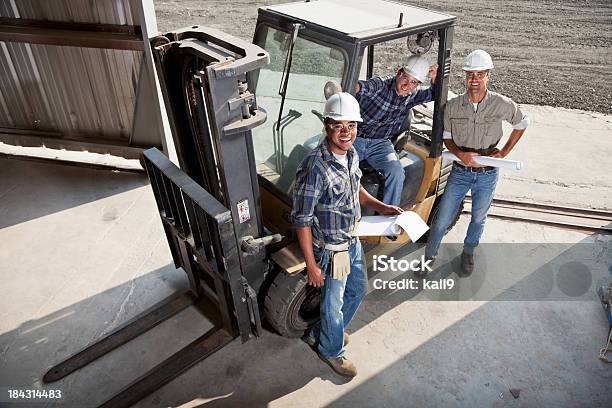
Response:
column 551, row 52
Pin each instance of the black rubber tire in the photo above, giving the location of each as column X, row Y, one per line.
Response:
column 291, row 306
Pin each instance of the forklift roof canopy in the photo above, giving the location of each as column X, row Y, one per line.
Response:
column 362, row 19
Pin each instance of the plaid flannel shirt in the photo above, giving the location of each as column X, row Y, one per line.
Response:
column 326, row 195
column 383, row 110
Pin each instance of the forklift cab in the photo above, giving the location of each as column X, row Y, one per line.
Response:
column 311, row 43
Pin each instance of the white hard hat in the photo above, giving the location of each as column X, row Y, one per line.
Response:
column 478, row 60
column 342, row 106
column 417, row 66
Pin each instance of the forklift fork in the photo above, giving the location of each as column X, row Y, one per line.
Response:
column 192, row 219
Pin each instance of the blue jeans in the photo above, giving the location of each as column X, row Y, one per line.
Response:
column 381, row 155
column 340, row 299
column 460, row 181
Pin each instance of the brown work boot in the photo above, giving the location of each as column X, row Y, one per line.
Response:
column 340, row 365
column 467, row 263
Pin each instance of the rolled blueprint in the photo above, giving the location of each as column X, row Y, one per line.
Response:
column 376, row 225
column 489, row 161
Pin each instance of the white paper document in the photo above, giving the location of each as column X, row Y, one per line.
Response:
column 489, row 161
column 382, row 225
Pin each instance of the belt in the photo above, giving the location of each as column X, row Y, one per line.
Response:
column 474, row 169
column 483, row 152
column 344, row 246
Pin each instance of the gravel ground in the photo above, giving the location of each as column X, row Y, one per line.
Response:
column 555, row 53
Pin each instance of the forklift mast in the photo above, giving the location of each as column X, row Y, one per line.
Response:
column 204, row 77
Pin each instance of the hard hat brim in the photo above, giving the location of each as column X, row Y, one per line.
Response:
column 477, row 68
column 412, row 74
column 344, row 117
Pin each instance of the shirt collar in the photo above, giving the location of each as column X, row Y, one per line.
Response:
column 393, row 86
column 466, row 100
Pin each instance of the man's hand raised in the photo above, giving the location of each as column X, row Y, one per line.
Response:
column 433, row 72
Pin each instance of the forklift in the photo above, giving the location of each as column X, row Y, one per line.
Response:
column 243, row 116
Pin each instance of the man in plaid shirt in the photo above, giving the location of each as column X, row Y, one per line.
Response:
column 326, row 208
column 385, row 103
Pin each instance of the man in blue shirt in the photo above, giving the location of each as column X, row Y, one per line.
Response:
column 326, row 208
column 385, row 103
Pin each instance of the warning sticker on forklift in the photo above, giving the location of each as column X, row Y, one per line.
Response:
column 243, row 210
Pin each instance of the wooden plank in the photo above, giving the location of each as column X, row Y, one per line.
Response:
column 290, row 259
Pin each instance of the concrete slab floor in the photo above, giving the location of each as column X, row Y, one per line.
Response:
column 565, row 154
column 83, row 251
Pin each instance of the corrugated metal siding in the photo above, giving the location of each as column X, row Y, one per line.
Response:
column 70, row 91
column 78, row 11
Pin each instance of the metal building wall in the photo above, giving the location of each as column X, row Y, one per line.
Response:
column 70, row 92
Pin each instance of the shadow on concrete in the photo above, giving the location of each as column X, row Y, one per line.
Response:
column 28, row 351
column 541, row 345
column 25, row 183
column 539, row 335
column 546, row 349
